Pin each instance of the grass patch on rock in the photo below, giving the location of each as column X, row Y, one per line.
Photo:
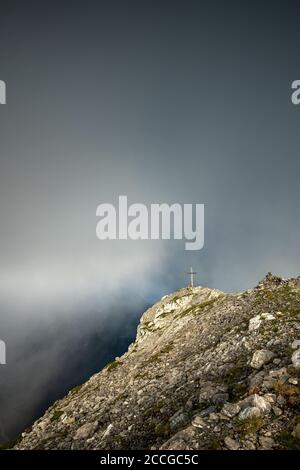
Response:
column 288, row 442
column 75, row 389
column 251, row 425
column 156, row 357
column 56, row 415
column 112, row 365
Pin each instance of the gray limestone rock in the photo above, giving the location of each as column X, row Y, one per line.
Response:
column 199, row 371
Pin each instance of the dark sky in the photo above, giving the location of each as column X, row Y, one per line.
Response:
column 163, row 101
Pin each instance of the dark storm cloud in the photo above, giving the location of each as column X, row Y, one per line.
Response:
column 164, row 101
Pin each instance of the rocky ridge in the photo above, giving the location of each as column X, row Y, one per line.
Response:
column 208, row 370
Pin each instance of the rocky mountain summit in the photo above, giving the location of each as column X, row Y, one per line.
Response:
column 208, row 370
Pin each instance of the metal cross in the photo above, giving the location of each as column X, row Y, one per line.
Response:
column 191, row 274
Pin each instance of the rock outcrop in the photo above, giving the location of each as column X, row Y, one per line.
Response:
column 208, row 370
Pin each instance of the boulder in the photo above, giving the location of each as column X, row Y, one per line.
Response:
column 231, row 409
column 231, row 444
column 86, row 430
column 261, row 357
column 178, row 419
column 266, row 443
column 256, row 401
column 198, row 422
column 295, row 344
column 254, row 323
column 249, row 412
column 261, row 403
column 296, row 359
column 268, row 316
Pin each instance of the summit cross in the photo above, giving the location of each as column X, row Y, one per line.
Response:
column 191, row 273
